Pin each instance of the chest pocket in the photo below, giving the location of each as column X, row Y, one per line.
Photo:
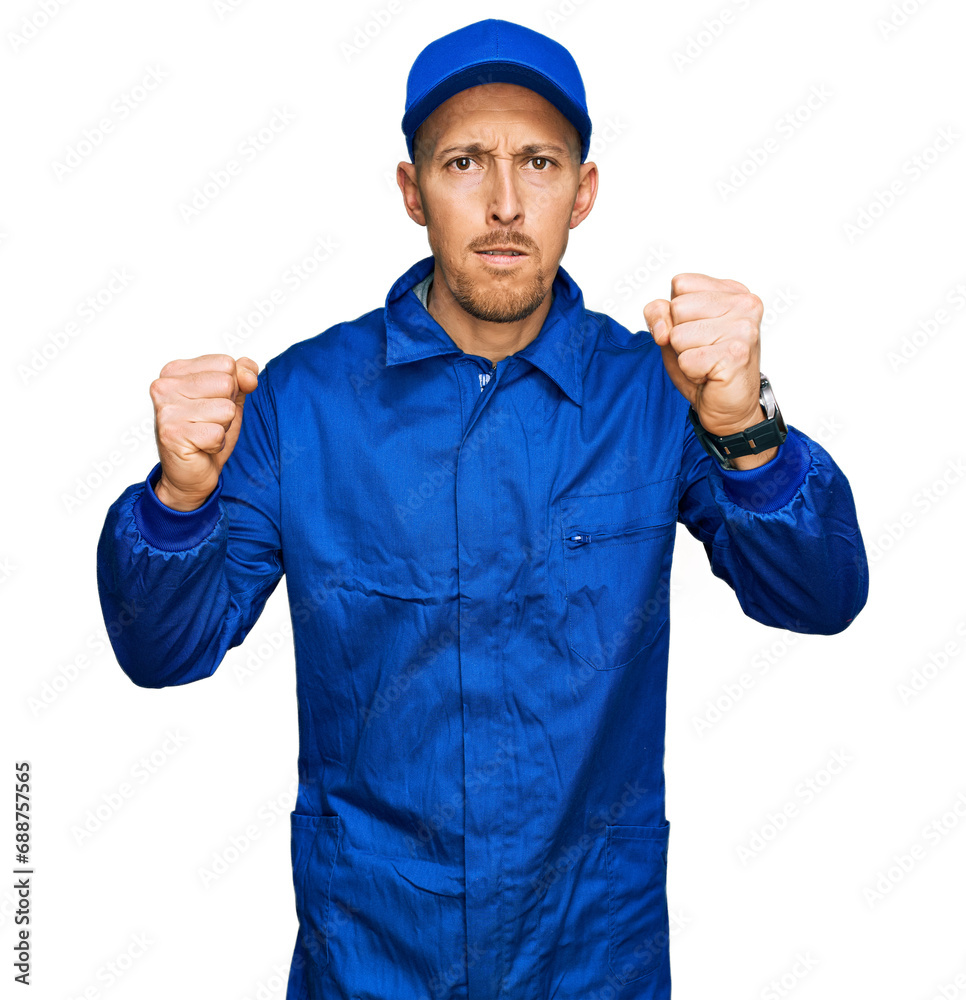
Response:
column 617, row 551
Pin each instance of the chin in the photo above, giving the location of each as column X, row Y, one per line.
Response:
column 508, row 301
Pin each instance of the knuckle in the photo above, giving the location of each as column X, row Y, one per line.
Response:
column 750, row 302
column 739, row 351
column 213, row 435
column 167, row 434
column 748, row 327
column 224, row 384
column 690, row 363
column 163, row 415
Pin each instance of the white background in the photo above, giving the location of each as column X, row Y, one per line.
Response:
column 681, row 95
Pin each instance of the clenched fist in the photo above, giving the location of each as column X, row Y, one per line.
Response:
column 197, row 416
column 708, row 332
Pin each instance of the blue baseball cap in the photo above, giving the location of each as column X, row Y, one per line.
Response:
column 495, row 51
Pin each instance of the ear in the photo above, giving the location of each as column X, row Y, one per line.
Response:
column 412, row 198
column 586, row 193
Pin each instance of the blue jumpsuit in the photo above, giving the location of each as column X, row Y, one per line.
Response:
column 477, row 563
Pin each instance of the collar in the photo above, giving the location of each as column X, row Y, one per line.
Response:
column 558, row 350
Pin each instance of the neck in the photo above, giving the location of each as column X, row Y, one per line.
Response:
column 484, row 338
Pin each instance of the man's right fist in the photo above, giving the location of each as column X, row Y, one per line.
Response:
column 197, row 417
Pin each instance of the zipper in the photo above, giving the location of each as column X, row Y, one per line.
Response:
column 488, row 376
column 578, row 537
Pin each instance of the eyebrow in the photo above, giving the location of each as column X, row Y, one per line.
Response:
column 531, row 149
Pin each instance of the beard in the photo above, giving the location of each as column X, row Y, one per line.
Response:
column 507, row 299
column 496, row 297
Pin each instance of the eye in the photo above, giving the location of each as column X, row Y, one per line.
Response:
column 541, row 159
column 461, row 159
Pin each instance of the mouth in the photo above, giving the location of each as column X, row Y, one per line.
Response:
column 502, row 256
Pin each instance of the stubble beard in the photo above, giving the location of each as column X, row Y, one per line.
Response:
column 497, row 298
column 505, row 299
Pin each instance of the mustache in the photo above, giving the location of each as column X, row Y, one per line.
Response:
column 515, row 240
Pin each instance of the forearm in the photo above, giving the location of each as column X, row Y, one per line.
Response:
column 175, row 600
column 784, row 535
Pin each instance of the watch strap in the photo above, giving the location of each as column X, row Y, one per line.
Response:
column 768, row 433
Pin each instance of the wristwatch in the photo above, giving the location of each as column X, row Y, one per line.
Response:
column 769, row 433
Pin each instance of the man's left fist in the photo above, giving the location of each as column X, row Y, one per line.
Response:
column 708, row 334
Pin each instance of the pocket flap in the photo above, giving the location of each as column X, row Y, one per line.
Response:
column 651, row 504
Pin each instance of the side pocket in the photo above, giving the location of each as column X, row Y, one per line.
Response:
column 637, row 899
column 315, row 846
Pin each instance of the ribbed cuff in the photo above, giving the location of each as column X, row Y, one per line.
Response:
column 174, row 530
column 770, row 486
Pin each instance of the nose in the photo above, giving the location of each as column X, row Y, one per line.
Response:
column 504, row 202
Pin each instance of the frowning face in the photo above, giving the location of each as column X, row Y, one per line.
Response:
column 497, row 168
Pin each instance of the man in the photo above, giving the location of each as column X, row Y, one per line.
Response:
column 473, row 492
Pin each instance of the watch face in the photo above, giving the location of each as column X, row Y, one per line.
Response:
column 767, row 398
column 770, row 405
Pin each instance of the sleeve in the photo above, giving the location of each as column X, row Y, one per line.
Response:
column 784, row 536
column 179, row 589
